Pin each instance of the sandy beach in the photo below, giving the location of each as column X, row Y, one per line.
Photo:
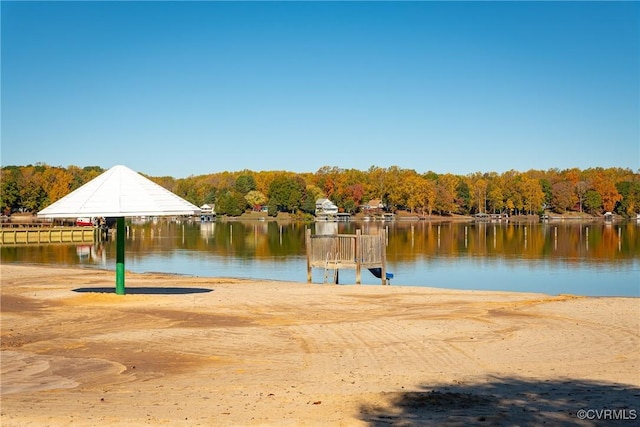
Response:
column 189, row 351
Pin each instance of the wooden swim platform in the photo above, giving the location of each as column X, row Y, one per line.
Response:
column 333, row 252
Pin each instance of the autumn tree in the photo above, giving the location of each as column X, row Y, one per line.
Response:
column 533, row 196
column 256, row 199
column 478, row 191
column 32, row 194
column 394, row 177
column 411, row 189
column 581, row 188
column 605, row 187
column 495, row 198
column 564, row 196
column 446, row 194
column 512, row 191
column 421, row 194
column 57, row 183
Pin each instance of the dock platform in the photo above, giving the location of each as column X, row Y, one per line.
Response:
column 351, row 251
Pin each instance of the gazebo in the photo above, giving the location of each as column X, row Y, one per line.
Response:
column 119, row 192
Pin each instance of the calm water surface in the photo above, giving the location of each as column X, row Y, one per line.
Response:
column 591, row 258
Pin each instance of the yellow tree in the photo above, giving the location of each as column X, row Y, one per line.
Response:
column 478, row 186
column 255, row 198
column 395, row 177
column 410, row 188
column 56, row 182
column 446, row 193
column 495, row 198
column 512, row 193
column 533, row 196
column 377, row 182
column 425, row 193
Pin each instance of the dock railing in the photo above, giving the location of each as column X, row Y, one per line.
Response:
column 338, row 251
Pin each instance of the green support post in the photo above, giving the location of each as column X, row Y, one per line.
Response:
column 120, row 239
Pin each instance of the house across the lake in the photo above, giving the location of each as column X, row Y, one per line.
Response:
column 207, row 213
column 326, row 210
column 373, row 206
column 326, row 207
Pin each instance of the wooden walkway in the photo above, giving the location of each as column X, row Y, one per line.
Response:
column 38, row 235
column 333, row 252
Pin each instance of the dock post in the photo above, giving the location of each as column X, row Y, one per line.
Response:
column 357, row 250
column 120, row 241
column 308, row 246
column 383, row 255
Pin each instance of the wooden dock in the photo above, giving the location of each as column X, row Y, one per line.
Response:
column 355, row 251
column 39, row 235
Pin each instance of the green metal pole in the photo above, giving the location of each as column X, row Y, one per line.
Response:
column 120, row 235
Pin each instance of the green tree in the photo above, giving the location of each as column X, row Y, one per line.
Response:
column 287, row 193
column 231, row 203
column 245, row 183
column 546, row 189
column 463, row 198
column 630, row 203
column 9, row 190
column 592, row 201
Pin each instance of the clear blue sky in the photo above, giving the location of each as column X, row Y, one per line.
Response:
column 179, row 89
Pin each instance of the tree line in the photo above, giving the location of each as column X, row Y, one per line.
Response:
column 593, row 191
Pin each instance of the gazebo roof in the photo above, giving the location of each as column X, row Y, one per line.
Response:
column 119, row 192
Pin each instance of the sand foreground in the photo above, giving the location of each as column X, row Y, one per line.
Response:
column 185, row 351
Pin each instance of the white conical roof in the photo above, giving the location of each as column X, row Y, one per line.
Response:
column 119, row 192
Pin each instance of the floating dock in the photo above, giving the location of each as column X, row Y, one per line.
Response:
column 37, row 235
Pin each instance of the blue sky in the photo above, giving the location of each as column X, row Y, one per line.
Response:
column 189, row 88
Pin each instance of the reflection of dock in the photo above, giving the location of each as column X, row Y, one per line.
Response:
column 37, row 235
column 327, row 217
column 481, row 217
column 386, row 217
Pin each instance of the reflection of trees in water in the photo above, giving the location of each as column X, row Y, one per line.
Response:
column 562, row 242
column 592, row 242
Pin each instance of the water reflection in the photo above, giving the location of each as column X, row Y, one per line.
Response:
column 594, row 258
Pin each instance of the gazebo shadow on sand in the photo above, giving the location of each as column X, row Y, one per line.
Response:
column 508, row 401
column 146, row 290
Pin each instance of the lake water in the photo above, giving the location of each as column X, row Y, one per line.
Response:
column 591, row 258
